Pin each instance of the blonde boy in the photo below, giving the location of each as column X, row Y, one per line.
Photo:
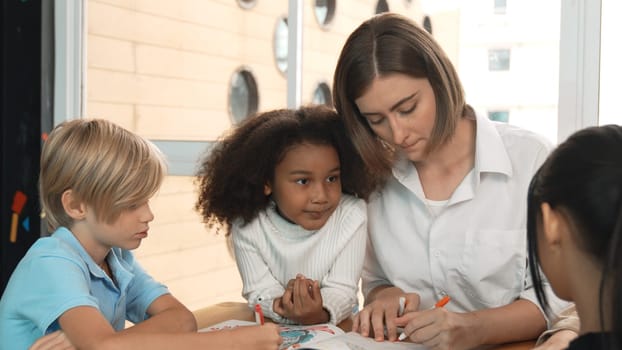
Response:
column 95, row 184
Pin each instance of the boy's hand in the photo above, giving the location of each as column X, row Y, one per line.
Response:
column 302, row 302
column 53, row 341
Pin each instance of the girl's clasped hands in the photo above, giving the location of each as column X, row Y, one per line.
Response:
column 302, row 302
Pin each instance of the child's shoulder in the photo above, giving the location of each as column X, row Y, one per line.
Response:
column 352, row 208
column 48, row 259
column 54, row 246
column 349, row 202
column 62, row 248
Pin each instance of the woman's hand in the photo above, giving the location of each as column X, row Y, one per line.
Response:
column 384, row 308
column 302, row 302
column 53, row 341
column 441, row 329
column 558, row 340
column 266, row 337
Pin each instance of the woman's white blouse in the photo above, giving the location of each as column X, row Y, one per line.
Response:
column 475, row 249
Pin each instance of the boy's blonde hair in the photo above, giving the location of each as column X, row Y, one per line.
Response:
column 107, row 167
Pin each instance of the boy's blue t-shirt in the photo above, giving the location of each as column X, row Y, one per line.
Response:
column 57, row 274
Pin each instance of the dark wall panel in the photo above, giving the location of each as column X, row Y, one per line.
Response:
column 20, row 130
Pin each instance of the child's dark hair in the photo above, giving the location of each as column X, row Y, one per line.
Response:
column 582, row 179
column 231, row 178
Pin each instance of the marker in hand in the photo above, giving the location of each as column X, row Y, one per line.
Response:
column 400, row 312
column 438, row 304
column 442, row 302
column 259, row 319
column 402, row 306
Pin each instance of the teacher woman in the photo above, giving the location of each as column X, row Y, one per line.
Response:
column 450, row 217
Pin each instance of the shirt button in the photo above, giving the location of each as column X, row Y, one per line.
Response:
column 436, row 253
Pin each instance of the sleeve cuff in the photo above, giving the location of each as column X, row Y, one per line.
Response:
column 339, row 307
column 556, row 305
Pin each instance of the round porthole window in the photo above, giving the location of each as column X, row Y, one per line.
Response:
column 247, row 4
column 427, row 24
column 243, row 96
column 321, row 95
column 324, row 11
column 382, row 6
column 280, row 44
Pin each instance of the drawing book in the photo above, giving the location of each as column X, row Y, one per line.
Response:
column 294, row 336
column 355, row 341
column 320, row 337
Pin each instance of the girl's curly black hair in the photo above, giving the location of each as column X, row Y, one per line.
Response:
column 232, row 176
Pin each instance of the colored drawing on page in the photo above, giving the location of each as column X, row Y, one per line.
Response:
column 295, row 337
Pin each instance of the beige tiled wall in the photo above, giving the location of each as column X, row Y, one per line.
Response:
column 162, row 68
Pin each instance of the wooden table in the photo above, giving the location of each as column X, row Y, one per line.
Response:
column 240, row 311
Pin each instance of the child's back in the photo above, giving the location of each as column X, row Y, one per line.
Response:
column 574, row 228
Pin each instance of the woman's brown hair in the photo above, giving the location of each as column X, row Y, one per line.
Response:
column 392, row 44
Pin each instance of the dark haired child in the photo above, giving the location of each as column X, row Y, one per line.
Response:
column 574, row 228
column 285, row 185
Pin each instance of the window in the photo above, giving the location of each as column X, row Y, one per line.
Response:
column 505, row 64
column 247, row 4
column 498, row 59
column 324, row 11
column 610, row 70
column 280, row 44
column 500, row 7
column 382, row 6
column 427, row 24
column 321, row 95
column 499, row 116
column 243, row 96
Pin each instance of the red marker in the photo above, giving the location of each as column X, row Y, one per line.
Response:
column 259, row 319
column 19, row 199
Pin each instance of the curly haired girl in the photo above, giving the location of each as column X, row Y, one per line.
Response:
column 289, row 188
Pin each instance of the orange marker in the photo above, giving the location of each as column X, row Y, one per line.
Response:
column 259, row 319
column 439, row 303
column 19, row 200
column 442, row 302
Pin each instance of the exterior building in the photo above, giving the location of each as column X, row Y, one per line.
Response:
column 510, row 66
